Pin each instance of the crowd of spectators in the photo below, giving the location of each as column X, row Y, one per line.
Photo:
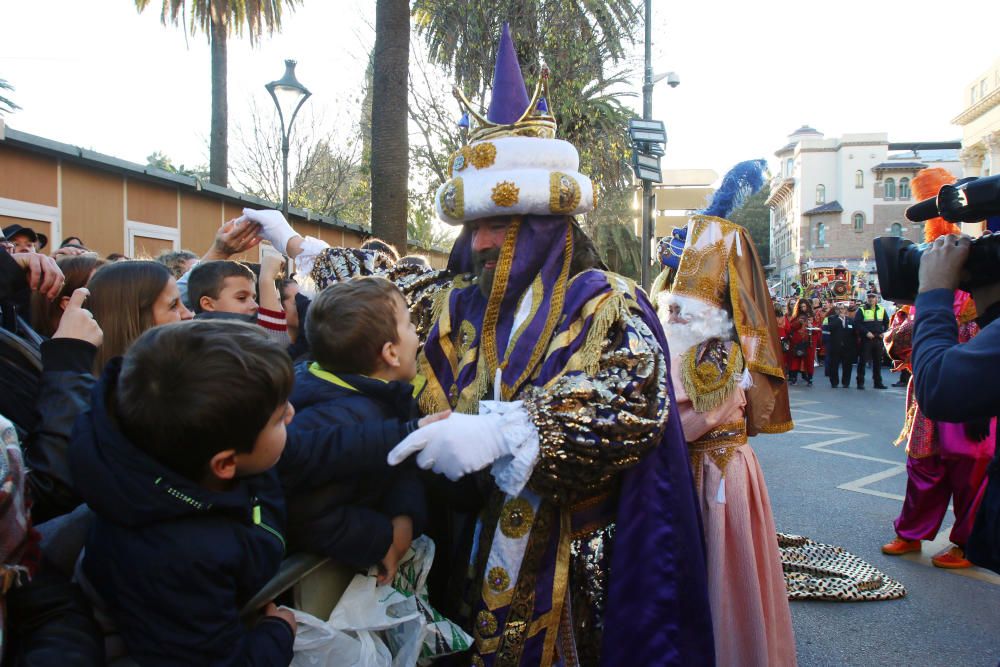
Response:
column 835, row 336
column 147, row 409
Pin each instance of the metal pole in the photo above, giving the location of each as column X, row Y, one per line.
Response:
column 647, row 186
column 284, row 172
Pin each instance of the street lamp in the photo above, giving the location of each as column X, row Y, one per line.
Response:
column 289, row 95
column 648, row 200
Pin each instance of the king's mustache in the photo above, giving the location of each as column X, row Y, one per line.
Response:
column 485, row 256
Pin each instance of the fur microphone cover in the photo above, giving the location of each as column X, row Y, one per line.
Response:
column 926, row 184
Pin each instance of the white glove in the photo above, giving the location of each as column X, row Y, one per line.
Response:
column 274, row 227
column 456, row 446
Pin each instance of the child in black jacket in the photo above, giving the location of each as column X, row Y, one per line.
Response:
column 364, row 348
column 183, row 457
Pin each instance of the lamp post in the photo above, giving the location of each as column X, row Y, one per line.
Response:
column 648, row 199
column 289, row 95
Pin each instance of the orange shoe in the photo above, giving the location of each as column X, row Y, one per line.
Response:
column 952, row 558
column 899, row 546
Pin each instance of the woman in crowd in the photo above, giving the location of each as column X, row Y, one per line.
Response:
column 78, row 270
column 801, row 336
column 127, row 298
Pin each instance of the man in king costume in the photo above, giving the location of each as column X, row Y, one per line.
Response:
column 729, row 384
column 590, row 549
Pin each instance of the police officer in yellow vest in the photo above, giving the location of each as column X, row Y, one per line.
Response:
column 870, row 323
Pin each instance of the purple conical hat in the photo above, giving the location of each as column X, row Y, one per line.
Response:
column 510, row 95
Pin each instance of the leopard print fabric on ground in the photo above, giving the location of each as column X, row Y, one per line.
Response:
column 815, row 571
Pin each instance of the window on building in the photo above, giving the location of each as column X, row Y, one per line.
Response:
column 982, row 89
column 897, row 229
column 859, row 179
column 889, row 191
column 789, row 163
column 859, row 222
column 821, row 194
column 820, row 235
column 904, row 188
column 972, row 95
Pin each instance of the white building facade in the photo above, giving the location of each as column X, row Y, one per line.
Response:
column 980, row 123
column 830, row 198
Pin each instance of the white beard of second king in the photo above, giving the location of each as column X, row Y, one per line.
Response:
column 703, row 322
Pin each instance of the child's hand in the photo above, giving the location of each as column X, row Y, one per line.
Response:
column 436, row 417
column 271, row 264
column 283, row 614
column 387, row 568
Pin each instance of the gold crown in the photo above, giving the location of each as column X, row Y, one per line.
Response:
column 532, row 123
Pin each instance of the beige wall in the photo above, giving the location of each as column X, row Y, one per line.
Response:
column 28, row 177
column 93, row 208
column 96, row 204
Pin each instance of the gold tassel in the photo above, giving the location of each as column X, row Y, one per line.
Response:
column 706, row 386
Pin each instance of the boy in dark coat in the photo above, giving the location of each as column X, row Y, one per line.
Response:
column 179, row 459
column 364, row 348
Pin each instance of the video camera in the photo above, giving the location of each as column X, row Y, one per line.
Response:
column 967, row 200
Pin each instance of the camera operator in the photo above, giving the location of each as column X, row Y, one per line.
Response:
column 959, row 383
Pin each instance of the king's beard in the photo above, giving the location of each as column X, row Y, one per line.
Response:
column 703, row 323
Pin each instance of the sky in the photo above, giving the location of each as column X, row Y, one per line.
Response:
column 99, row 75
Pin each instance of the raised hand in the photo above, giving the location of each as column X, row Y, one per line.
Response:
column 78, row 322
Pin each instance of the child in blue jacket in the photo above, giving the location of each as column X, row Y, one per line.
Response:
column 183, row 457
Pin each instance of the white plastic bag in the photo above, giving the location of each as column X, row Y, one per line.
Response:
column 380, row 626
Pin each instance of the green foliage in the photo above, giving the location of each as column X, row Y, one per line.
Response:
column 257, row 16
column 6, row 104
column 162, row 161
column 610, row 227
column 755, row 215
column 581, row 40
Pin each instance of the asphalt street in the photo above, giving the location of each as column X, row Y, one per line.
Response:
column 838, row 479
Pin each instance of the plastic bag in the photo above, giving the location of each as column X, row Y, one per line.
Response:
column 381, row 626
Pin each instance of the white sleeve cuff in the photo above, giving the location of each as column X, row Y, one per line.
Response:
column 520, row 438
column 304, row 261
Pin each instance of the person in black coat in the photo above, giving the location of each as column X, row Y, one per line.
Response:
column 184, row 459
column 843, row 347
column 364, row 346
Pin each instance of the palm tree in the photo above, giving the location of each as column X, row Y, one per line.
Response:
column 390, row 138
column 7, row 105
column 218, row 19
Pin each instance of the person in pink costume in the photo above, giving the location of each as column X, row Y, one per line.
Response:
column 728, row 383
column 945, row 462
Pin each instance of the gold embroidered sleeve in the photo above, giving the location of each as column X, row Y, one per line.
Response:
column 593, row 426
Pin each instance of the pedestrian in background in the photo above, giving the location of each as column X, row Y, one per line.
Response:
column 842, row 348
column 871, row 322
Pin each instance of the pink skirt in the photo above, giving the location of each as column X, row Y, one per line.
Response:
column 746, row 586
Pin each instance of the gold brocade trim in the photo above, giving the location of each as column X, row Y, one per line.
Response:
column 484, row 155
column 783, row 427
column 505, row 194
column 488, row 346
column 459, row 160
column 564, row 193
column 706, row 384
column 594, row 190
column 720, row 445
column 498, row 580
column 466, row 336
column 486, row 624
column 433, row 397
column 556, row 301
column 477, row 661
column 516, row 518
column 453, row 199
column 549, row 621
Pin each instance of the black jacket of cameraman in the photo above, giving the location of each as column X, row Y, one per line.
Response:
column 959, row 383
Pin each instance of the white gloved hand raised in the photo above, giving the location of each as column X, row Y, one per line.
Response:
column 456, row 446
column 274, row 227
